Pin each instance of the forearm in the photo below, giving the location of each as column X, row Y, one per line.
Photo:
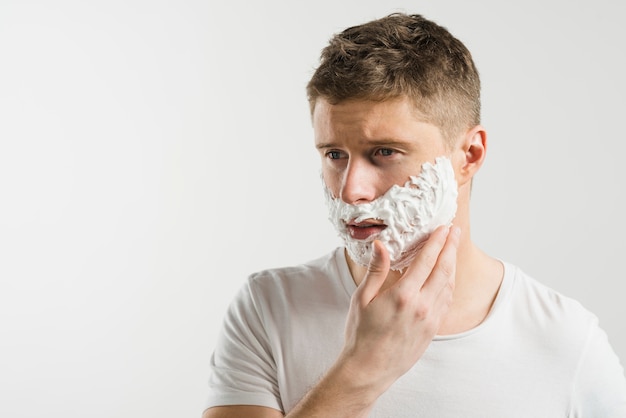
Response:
column 340, row 393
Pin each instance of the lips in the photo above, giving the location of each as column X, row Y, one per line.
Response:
column 366, row 229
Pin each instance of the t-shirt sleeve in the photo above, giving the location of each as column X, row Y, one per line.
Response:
column 242, row 367
column 599, row 389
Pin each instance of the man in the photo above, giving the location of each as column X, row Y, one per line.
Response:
column 410, row 319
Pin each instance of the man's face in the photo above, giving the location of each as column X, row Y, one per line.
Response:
column 366, row 148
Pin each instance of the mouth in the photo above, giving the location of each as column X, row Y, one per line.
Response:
column 366, row 229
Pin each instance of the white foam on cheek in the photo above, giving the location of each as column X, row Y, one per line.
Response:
column 411, row 212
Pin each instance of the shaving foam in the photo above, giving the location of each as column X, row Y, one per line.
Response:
column 410, row 212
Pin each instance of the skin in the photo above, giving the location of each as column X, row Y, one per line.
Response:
column 366, row 147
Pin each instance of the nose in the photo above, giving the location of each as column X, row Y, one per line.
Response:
column 358, row 184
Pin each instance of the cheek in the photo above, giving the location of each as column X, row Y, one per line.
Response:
column 331, row 181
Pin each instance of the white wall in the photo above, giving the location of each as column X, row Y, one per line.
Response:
column 154, row 153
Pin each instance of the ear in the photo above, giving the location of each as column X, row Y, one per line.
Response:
column 471, row 151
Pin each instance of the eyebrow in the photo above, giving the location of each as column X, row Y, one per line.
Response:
column 325, row 145
column 375, row 143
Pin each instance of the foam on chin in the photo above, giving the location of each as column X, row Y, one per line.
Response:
column 410, row 212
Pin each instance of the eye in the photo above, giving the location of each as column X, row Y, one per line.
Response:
column 385, row 152
column 334, row 155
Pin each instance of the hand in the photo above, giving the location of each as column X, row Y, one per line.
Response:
column 387, row 331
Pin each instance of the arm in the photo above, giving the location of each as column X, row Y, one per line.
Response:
column 239, row 411
column 386, row 331
column 599, row 389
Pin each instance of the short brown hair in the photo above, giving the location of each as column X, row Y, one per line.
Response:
column 402, row 55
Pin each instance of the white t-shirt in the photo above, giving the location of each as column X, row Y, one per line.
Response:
column 537, row 354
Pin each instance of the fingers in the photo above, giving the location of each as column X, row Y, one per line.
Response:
column 433, row 267
column 444, row 272
column 424, row 262
column 376, row 273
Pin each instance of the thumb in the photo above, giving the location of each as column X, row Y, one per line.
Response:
column 376, row 274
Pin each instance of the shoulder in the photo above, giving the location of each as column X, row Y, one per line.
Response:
column 542, row 303
column 545, row 317
column 271, row 298
column 557, row 329
column 328, row 273
column 301, row 272
column 565, row 342
column 325, row 280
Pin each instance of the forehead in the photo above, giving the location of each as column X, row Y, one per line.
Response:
column 368, row 120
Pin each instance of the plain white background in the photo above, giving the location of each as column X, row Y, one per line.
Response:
column 154, row 153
